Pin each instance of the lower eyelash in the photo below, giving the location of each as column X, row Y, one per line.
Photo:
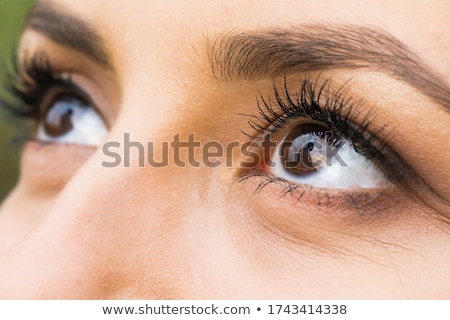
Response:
column 334, row 109
column 359, row 201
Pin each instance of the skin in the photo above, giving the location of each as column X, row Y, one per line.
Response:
column 75, row 229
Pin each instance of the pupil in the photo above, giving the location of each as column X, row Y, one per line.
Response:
column 58, row 120
column 298, row 152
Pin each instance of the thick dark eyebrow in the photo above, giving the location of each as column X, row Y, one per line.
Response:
column 55, row 22
column 249, row 56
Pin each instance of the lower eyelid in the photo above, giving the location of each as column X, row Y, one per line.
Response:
column 49, row 166
column 353, row 203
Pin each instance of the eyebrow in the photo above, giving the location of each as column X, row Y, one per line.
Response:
column 307, row 48
column 56, row 23
column 270, row 53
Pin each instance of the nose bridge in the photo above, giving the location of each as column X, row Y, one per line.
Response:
column 117, row 228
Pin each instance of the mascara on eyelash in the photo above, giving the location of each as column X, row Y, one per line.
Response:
column 35, row 85
column 31, row 77
column 315, row 100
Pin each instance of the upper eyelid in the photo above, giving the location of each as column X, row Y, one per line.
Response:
column 80, row 93
column 400, row 173
column 36, row 72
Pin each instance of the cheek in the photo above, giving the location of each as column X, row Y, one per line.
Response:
column 19, row 214
column 175, row 233
column 45, row 171
column 310, row 252
column 47, row 168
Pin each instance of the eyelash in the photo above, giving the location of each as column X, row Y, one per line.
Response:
column 335, row 109
column 30, row 81
column 35, row 76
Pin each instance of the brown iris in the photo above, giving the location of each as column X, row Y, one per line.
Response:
column 58, row 120
column 305, row 148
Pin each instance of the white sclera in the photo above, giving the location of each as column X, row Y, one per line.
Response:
column 88, row 128
column 347, row 170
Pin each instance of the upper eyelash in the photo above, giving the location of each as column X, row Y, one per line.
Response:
column 33, row 76
column 320, row 104
column 30, row 79
column 335, row 109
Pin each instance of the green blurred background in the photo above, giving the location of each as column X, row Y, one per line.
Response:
column 12, row 15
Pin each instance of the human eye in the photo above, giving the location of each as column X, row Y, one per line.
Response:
column 310, row 153
column 315, row 141
column 60, row 109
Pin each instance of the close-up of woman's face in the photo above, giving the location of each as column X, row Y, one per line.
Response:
column 231, row 150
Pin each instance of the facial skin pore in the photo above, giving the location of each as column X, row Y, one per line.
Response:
column 74, row 229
